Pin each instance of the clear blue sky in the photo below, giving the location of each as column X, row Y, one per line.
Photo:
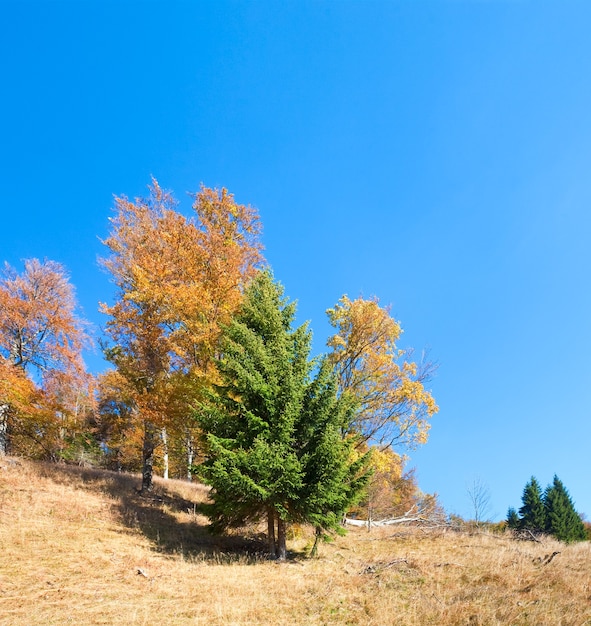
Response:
column 435, row 154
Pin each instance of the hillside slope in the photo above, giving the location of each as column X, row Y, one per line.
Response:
column 83, row 547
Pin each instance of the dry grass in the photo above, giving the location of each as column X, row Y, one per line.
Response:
column 72, row 542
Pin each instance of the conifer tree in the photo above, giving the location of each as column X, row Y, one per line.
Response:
column 272, row 430
column 334, row 472
column 562, row 520
column 512, row 519
column 532, row 513
column 553, row 512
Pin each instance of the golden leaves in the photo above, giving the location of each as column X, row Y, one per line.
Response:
column 44, row 388
column 39, row 329
column 184, row 276
column 393, row 404
column 180, row 279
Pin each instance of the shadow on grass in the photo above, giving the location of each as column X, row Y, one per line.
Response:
column 174, row 524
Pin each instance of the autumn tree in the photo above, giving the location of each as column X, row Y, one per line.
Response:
column 41, row 342
column 179, row 279
column 18, row 397
column 71, row 400
column 393, row 405
column 273, row 429
column 393, row 491
column 118, row 431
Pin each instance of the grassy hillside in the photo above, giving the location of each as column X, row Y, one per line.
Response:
column 83, row 547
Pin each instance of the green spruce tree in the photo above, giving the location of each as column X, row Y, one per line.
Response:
column 532, row 514
column 513, row 520
column 334, row 473
column 562, row 520
column 271, row 429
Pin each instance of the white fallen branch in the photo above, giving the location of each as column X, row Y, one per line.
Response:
column 386, row 522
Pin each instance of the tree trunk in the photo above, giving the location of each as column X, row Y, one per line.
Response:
column 281, row 540
column 165, row 454
column 4, row 435
column 314, row 551
column 190, row 455
column 148, row 455
column 271, row 531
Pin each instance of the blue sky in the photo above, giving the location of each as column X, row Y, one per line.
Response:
column 434, row 154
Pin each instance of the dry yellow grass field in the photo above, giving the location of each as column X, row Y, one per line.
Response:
column 81, row 546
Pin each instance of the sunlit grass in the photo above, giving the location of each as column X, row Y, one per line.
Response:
column 83, row 547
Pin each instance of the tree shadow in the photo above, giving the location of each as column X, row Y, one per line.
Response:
column 174, row 524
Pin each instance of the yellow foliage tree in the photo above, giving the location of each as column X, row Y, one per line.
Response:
column 18, row 402
column 393, row 406
column 118, row 429
column 393, row 491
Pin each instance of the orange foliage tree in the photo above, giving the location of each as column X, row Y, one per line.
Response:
column 179, row 280
column 117, row 427
column 393, row 406
column 393, row 491
column 70, row 398
column 18, row 397
column 41, row 342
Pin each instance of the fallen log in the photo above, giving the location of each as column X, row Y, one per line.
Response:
column 386, row 522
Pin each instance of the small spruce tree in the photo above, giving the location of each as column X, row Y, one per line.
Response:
column 562, row 520
column 532, row 514
column 513, row 520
